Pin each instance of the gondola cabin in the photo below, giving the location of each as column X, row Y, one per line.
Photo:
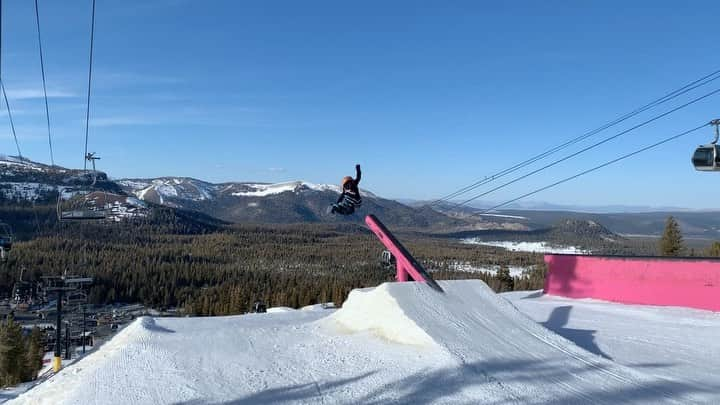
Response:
column 707, row 158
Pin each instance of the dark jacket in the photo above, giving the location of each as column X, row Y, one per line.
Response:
column 351, row 190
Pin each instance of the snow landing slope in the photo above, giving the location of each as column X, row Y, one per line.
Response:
column 399, row 342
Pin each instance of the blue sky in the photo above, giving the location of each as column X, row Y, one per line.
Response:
column 428, row 96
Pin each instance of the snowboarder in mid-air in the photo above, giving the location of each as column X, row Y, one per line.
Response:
column 350, row 196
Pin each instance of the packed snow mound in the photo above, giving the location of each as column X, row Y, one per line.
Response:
column 489, row 337
column 279, row 310
column 376, row 310
column 396, row 343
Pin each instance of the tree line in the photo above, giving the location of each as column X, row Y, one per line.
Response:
column 209, row 269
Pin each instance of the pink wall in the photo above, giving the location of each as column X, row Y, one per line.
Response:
column 693, row 283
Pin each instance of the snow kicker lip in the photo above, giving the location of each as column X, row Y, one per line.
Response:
column 377, row 311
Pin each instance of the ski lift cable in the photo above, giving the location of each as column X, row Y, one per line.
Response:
column 87, row 113
column 12, row 124
column 603, row 141
column 2, row 87
column 670, row 96
column 691, row 86
column 623, row 157
column 42, row 69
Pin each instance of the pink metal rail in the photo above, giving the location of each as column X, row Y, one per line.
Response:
column 407, row 266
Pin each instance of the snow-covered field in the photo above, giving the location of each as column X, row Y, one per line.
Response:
column 515, row 271
column 537, row 247
column 503, row 216
column 405, row 343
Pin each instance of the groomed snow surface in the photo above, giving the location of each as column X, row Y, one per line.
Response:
column 406, row 343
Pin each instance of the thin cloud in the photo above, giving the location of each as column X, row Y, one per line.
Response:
column 111, row 79
column 121, row 121
column 28, row 93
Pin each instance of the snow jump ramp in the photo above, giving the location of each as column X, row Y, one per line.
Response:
column 500, row 355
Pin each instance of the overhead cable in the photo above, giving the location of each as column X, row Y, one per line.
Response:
column 666, row 140
column 670, row 96
column 87, row 113
column 42, row 69
column 605, row 140
column 12, row 124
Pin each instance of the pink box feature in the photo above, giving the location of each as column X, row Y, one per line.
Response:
column 685, row 282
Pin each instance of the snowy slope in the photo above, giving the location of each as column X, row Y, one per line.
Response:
column 399, row 342
column 13, row 164
column 25, row 180
column 162, row 189
column 21, row 179
column 677, row 344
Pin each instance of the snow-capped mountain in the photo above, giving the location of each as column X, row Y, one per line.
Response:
column 294, row 201
column 166, row 190
column 255, row 202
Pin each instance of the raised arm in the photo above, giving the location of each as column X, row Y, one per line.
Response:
column 358, row 174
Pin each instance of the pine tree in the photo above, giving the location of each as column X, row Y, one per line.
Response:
column 33, row 355
column 714, row 249
column 671, row 243
column 12, row 350
column 507, row 283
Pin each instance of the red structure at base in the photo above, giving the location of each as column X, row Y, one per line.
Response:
column 686, row 282
column 406, row 265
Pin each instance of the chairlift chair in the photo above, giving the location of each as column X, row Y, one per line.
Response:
column 259, row 307
column 6, row 241
column 387, row 260
column 707, row 157
column 88, row 207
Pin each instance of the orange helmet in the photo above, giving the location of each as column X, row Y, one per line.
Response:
column 346, row 179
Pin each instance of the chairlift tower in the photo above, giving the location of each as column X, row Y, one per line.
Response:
column 61, row 285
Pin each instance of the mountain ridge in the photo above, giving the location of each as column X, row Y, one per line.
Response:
column 235, row 202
